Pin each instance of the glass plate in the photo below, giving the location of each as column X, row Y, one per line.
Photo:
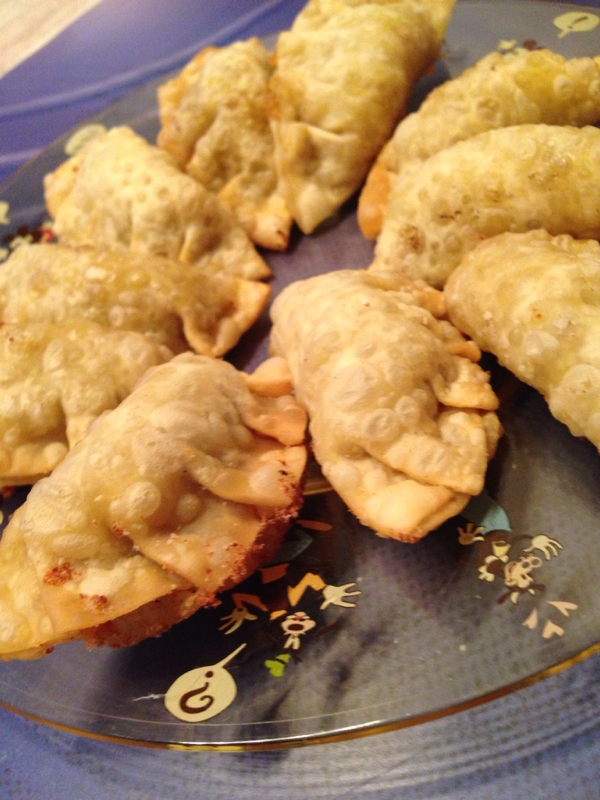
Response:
column 345, row 633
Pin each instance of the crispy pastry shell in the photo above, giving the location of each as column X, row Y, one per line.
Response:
column 214, row 122
column 343, row 75
column 177, row 494
column 510, row 179
column 55, row 380
column 180, row 307
column 514, row 88
column 401, row 419
column 534, row 301
column 121, row 193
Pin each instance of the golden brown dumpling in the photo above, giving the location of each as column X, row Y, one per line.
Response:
column 179, row 493
column 511, row 179
column 55, row 380
column 121, row 193
column 214, row 122
column 343, row 75
column 534, row 301
column 180, row 307
column 514, row 88
column 401, row 419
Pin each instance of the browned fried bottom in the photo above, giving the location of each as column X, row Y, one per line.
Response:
column 156, row 617
column 151, row 619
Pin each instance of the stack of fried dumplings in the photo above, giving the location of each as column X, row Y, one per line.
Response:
column 155, row 260
column 163, row 475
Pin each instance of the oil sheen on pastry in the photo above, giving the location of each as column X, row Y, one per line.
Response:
column 55, row 380
column 514, row 88
column 179, row 306
column 513, row 179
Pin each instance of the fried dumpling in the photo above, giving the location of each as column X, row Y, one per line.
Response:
column 181, row 308
column 121, row 193
column 534, row 301
column 55, row 380
column 179, row 493
column 402, row 421
column 214, row 122
column 511, row 179
column 342, row 79
column 514, row 88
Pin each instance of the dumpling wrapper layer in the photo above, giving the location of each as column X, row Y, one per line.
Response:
column 121, row 193
column 401, row 425
column 514, row 179
column 55, row 380
column 214, row 122
column 534, row 301
column 343, row 76
column 178, row 306
column 179, row 493
column 501, row 90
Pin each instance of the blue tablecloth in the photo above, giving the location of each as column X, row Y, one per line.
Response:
column 505, row 750
column 541, row 743
column 114, row 48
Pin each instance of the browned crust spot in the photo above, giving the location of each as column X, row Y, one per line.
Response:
column 59, row 574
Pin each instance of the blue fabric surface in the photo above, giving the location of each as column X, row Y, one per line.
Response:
column 506, row 750
column 108, row 52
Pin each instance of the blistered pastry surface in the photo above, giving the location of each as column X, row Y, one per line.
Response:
column 55, row 381
column 534, row 301
column 123, row 193
column 214, row 122
column 500, row 90
column 184, row 486
column 510, row 179
column 343, row 75
column 401, row 426
column 180, row 307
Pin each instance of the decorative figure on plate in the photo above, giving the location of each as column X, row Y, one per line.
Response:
column 296, row 625
column 202, row 693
